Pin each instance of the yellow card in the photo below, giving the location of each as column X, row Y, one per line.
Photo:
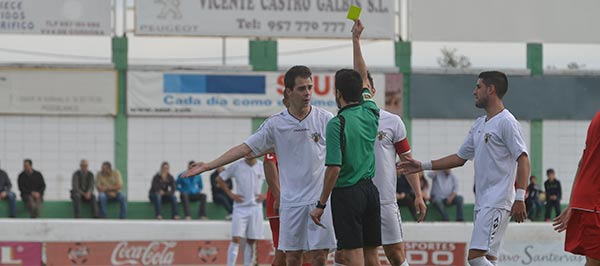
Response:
column 354, row 12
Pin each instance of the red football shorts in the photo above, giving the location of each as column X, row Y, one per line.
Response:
column 583, row 233
column 274, row 223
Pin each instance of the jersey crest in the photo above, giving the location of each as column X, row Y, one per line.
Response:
column 316, row 136
column 381, row 135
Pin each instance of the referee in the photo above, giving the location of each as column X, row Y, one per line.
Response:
column 350, row 162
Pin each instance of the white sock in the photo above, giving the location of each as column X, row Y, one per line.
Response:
column 405, row 263
column 480, row 261
column 232, row 253
column 248, row 252
column 494, row 262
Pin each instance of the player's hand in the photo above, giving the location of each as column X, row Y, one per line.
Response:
column 197, row 168
column 261, row 197
column 357, row 29
column 315, row 215
column 421, row 209
column 518, row 211
column 409, row 166
column 237, row 198
column 561, row 221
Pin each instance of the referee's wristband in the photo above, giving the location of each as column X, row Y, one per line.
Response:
column 427, row 165
column 321, row 205
column 520, row 195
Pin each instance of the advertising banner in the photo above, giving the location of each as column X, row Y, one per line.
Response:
column 77, row 92
column 263, row 18
column 519, row 253
column 435, row 253
column 202, row 252
column 232, row 95
column 55, row 17
column 20, row 253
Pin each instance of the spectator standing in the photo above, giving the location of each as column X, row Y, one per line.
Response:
column 553, row 194
column 6, row 194
column 218, row 194
column 163, row 190
column 190, row 189
column 82, row 188
column 109, row 184
column 444, row 192
column 532, row 201
column 32, row 187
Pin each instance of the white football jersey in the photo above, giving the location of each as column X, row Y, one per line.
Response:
column 391, row 130
column 494, row 146
column 249, row 180
column 300, row 149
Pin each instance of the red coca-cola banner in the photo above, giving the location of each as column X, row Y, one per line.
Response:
column 205, row 252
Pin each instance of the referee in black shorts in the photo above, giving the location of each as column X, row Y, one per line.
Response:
column 350, row 162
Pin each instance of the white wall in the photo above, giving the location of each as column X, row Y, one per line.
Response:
column 178, row 140
column 436, row 138
column 563, row 146
column 55, row 145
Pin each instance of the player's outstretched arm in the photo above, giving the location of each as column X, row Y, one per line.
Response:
column 415, row 184
column 411, row 166
column 518, row 211
column 229, row 156
column 359, row 62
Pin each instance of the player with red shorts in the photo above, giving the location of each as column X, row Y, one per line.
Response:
column 581, row 219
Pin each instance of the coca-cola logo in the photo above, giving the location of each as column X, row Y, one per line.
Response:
column 207, row 252
column 78, row 254
column 154, row 253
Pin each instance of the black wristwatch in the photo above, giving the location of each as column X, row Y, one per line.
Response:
column 320, row 205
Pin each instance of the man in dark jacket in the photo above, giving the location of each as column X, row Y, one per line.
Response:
column 32, row 187
column 218, row 194
column 553, row 194
column 6, row 194
column 83, row 189
column 532, row 201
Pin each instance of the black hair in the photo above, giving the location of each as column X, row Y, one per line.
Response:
column 549, row 171
column 28, row 161
column 496, row 78
column 296, row 71
column 349, row 83
column 190, row 163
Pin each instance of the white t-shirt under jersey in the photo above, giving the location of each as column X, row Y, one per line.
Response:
column 391, row 130
column 494, row 146
column 300, row 149
column 249, row 180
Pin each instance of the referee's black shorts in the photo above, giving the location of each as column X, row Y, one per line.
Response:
column 356, row 215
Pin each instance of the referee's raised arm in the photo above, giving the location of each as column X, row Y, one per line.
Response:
column 359, row 62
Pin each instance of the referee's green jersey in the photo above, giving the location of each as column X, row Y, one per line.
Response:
column 350, row 141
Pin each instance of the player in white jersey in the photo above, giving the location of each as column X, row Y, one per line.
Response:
column 298, row 136
column 391, row 140
column 247, row 219
column 495, row 144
